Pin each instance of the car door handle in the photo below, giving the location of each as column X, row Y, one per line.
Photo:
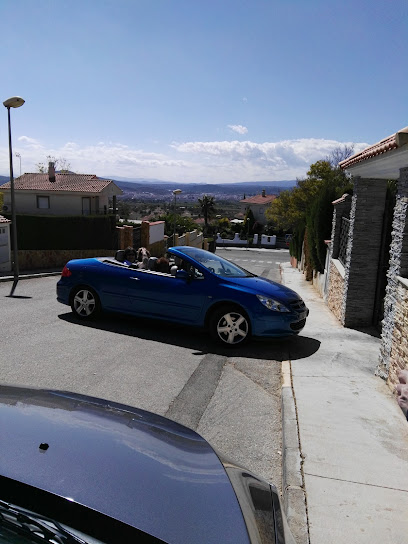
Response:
column 137, row 279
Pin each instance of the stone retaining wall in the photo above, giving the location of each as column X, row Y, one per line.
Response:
column 398, row 358
column 335, row 297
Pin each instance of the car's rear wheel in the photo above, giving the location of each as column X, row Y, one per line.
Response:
column 85, row 303
column 230, row 326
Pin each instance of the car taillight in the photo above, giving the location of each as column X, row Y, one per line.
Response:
column 66, row 272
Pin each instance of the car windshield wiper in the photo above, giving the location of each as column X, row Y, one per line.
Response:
column 38, row 528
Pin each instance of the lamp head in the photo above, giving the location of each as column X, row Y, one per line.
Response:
column 177, row 191
column 13, row 102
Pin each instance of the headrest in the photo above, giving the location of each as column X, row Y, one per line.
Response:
column 120, row 255
column 151, row 263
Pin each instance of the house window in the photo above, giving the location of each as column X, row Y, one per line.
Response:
column 43, row 202
column 86, row 205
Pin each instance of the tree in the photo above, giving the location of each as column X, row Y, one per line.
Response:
column 307, row 210
column 60, row 164
column 248, row 225
column 183, row 224
column 207, row 206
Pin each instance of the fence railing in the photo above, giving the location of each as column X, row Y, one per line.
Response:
column 344, row 231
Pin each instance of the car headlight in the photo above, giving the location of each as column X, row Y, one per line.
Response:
column 272, row 304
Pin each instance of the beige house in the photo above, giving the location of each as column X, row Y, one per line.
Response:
column 258, row 204
column 60, row 193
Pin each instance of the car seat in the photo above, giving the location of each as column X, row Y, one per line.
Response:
column 151, row 263
column 120, row 255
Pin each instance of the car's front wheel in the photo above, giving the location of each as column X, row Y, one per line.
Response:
column 230, row 326
column 85, row 303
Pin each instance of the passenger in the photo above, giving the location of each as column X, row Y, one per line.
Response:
column 162, row 265
column 129, row 256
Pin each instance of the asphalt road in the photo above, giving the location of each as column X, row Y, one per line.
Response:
column 231, row 397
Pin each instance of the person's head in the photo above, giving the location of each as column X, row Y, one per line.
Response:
column 402, row 391
column 162, row 265
column 130, row 254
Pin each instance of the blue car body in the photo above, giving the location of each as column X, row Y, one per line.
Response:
column 184, row 298
column 120, row 474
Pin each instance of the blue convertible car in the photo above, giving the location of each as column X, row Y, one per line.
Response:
column 199, row 289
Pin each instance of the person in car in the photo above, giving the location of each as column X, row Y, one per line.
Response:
column 130, row 258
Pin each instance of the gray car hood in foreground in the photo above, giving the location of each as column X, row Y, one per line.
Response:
column 142, row 469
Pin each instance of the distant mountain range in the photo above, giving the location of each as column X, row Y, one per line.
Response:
column 155, row 189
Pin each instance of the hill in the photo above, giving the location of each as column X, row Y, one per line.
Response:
column 159, row 190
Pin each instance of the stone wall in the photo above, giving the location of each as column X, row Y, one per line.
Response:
column 193, row 238
column 399, row 344
column 335, row 296
column 363, row 251
column 398, row 267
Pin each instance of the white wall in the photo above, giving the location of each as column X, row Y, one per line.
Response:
column 60, row 204
column 156, row 232
column 5, row 254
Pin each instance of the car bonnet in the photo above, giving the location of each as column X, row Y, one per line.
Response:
column 129, row 464
column 263, row 286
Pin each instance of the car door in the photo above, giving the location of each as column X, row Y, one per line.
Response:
column 164, row 296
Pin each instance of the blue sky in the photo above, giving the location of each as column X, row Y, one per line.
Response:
column 200, row 91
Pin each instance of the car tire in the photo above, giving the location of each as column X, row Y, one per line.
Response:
column 230, row 326
column 85, row 302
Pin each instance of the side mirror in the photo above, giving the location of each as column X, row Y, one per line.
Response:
column 183, row 275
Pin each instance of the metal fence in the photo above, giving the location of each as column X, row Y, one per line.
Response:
column 344, row 232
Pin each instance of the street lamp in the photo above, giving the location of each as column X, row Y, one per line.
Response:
column 175, row 193
column 13, row 102
column 19, row 156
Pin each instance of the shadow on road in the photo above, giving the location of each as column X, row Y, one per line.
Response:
column 280, row 349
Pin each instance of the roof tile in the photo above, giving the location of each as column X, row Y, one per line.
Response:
column 387, row 144
column 258, row 199
column 88, row 183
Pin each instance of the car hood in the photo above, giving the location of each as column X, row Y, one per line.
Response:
column 263, row 286
column 132, row 465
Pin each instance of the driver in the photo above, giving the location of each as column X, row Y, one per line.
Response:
column 183, row 265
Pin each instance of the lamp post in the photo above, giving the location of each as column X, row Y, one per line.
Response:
column 19, row 156
column 13, row 102
column 175, row 193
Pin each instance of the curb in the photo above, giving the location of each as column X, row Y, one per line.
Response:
column 30, row 276
column 294, row 496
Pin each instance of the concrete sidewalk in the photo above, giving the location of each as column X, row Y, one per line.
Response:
column 352, row 463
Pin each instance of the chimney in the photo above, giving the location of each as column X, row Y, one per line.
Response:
column 263, row 193
column 51, row 172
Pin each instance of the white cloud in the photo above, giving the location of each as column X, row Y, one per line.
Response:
column 210, row 162
column 30, row 142
column 238, row 128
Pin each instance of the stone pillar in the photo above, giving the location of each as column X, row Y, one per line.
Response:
column 363, row 251
column 398, row 267
column 145, row 234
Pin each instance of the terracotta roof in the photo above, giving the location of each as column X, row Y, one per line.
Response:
column 387, row 144
column 258, row 199
column 83, row 183
column 4, row 220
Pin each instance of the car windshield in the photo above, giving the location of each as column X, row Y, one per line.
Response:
column 216, row 265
